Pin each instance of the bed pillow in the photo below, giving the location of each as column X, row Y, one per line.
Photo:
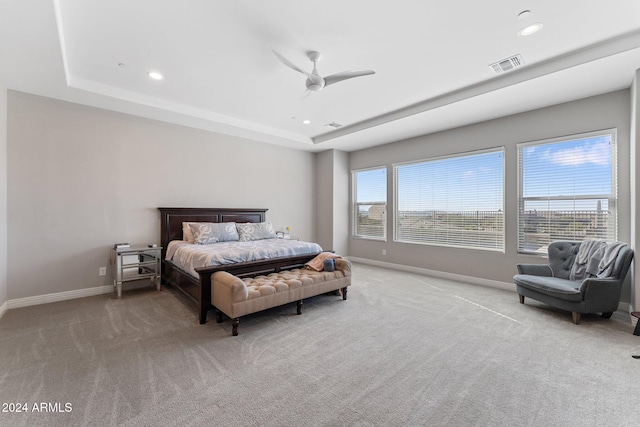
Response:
column 256, row 231
column 227, row 232
column 205, row 233
column 187, row 234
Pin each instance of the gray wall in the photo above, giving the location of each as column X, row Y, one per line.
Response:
column 324, row 199
column 341, row 206
column 601, row 112
column 332, row 200
column 81, row 179
column 3, row 197
column 635, row 186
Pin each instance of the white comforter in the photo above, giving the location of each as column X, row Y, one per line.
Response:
column 189, row 256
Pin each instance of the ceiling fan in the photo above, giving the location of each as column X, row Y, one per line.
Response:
column 315, row 82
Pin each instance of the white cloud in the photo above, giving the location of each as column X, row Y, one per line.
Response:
column 598, row 153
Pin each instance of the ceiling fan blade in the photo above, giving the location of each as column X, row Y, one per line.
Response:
column 305, row 95
column 290, row 64
column 344, row 75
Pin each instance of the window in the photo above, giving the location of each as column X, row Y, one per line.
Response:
column 452, row 201
column 370, row 203
column 567, row 190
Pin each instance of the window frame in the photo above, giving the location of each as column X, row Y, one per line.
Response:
column 612, row 198
column 355, row 204
column 396, row 215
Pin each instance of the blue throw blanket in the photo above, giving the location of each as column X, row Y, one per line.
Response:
column 595, row 258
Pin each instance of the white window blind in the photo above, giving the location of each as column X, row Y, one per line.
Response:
column 454, row 201
column 370, row 203
column 567, row 190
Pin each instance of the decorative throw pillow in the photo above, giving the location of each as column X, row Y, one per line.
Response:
column 226, row 232
column 205, row 233
column 256, row 231
column 187, row 235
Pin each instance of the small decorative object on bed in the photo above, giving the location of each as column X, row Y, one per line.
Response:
column 582, row 277
column 198, row 242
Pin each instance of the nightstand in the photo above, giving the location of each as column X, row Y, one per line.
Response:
column 135, row 263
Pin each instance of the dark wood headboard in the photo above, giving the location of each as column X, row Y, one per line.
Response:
column 171, row 219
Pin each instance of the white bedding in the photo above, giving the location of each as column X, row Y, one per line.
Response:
column 189, row 256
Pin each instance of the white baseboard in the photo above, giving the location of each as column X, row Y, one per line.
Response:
column 440, row 274
column 623, row 306
column 60, row 296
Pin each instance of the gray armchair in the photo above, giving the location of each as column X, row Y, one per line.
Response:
column 551, row 283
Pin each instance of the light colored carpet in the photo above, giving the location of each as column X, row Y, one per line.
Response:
column 403, row 350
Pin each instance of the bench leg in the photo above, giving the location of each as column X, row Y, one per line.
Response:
column 299, row 307
column 344, row 293
column 234, row 326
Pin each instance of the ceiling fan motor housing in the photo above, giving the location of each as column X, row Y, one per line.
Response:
column 315, row 86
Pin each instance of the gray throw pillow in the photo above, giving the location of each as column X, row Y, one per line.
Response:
column 256, row 231
column 205, row 233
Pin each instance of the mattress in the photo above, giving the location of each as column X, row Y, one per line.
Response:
column 189, row 256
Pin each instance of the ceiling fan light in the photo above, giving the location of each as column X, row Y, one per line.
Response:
column 531, row 29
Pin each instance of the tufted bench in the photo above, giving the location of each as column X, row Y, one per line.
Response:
column 236, row 297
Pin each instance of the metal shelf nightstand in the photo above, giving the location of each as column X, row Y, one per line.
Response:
column 135, row 263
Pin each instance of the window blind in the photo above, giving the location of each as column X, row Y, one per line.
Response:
column 567, row 190
column 370, row 203
column 453, row 201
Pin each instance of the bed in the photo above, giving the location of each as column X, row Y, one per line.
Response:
column 193, row 279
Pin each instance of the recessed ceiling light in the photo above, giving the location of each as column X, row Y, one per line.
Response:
column 533, row 28
column 306, row 122
column 155, row 75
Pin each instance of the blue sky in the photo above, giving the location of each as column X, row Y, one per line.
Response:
column 475, row 181
column 578, row 167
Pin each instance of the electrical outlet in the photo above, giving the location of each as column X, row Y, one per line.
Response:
column 384, row 252
column 102, row 271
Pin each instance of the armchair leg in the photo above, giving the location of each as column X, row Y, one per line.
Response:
column 607, row 315
column 575, row 316
column 636, row 331
column 521, row 298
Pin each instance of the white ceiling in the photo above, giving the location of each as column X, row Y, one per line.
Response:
column 431, row 60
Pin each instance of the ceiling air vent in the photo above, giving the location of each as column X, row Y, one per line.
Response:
column 508, row 64
column 333, row 125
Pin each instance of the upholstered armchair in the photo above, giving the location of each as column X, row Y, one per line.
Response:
column 552, row 284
